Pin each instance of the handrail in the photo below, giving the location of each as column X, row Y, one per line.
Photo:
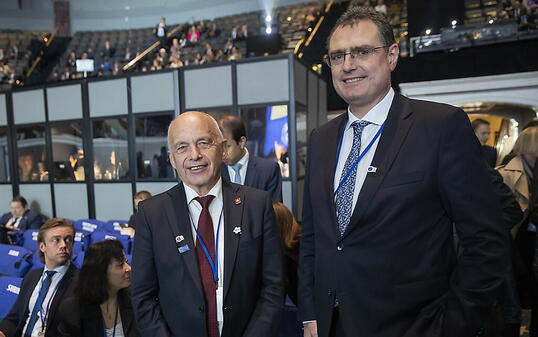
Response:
column 150, row 48
column 39, row 58
column 314, row 31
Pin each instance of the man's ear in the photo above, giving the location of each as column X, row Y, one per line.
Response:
column 42, row 247
column 392, row 55
column 242, row 141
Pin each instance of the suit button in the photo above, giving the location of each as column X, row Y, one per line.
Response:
column 201, row 308
column 339, row 248
column 225, row 308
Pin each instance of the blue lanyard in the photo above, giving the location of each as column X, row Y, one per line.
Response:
column 213, row 264
column 350, row 170
column 43, row 316
column 115, row 322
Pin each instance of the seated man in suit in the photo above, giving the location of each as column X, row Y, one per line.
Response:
column 207, row 258
column 42, row 290
column 240, row 167
column 19, row 219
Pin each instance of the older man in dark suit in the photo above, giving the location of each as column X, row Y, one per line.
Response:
column 243, row 168
column 207, row 254
column 386, row 183
column 42, row 290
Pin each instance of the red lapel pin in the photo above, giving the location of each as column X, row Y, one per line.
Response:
column 237, row 201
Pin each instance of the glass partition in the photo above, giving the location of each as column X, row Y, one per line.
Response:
column 267, row 133
column 67, row 151
column 32, row 154
column 110, row 149
column 151, row 147
column 5, row 175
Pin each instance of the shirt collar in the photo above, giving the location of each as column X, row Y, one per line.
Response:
column 244, row 160
column 377, row 115
column 216, row 191
column 61, row 270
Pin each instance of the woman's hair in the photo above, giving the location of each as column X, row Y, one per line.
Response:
column 527, row 142
column 289, row 228
column 92, row 282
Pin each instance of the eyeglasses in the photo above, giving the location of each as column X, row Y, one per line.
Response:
column 359, row 53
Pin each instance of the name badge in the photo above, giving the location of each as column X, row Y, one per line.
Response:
column 220, row 313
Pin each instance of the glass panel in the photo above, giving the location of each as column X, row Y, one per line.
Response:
column 110, row 149
column 67, row 151
column 32, row 154
column 302, row 136
column 151, row 148
column 267, row 133
column 4, row 159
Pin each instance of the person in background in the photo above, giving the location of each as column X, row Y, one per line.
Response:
column 137, row 198
column 518, row 174
column 241, row 167
column 482, row 131
column 43, row 290
column 19, row 219
column 102, row 302
column 160, row 32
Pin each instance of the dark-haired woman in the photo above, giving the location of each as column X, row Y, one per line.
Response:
column 102, row 303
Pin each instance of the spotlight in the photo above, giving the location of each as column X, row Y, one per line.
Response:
column 268, row 30
column 268, row 18
column 428, row 31
column 454, row 22
column 490, row 21
column 289, row 18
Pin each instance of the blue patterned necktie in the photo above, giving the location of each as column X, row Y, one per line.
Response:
column 236, row 167
column 45, row 285
column 344, row 197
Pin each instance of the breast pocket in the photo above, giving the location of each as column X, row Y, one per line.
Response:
column 403, row 179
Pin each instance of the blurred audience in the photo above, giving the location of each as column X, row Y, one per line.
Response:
column 19, row 219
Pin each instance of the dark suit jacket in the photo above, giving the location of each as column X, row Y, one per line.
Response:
column 167, row 292
column 85, row 320
column 13, row 324
column 394, row 271
column 490, row 155
column 30, row 220
column 263, row 174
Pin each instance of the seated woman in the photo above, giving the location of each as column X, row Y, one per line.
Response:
column 102, row 303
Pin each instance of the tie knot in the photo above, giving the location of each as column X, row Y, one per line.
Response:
column 237, row 166
column 205, row 201
column 50, row 274
column 359, row 125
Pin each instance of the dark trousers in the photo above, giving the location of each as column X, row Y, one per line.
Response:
column 337, row 328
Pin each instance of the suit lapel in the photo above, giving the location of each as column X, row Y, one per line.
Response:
column 224, row 172
column 251, row 176
column 177, row 213
column 233, row 201
column 333, row 136
column 399, row 121
column 62, row 288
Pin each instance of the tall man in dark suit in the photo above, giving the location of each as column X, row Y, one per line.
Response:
column 19, row 219
column 243, row 168
column 207, row 254
column 42, row 290
column 386, row 183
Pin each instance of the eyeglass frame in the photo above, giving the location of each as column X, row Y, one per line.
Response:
column 358, row 51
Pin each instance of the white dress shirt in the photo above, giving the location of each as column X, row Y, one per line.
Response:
column 242, row 171
column 376, row 116
column 56, row 278
column 215, row 209
column 14, row 221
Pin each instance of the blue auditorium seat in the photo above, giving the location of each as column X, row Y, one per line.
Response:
column 88, row 225
column 30, row 239
column 114, row 226
column 36, row 262
column 78, row 259
column 124, row 239
column 14, row 260
column 9, row 290
column 82, row 241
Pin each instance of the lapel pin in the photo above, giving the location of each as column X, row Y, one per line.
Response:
column 237, row 230
column 179, row 238
column 237, row 201
column 183, row 249
column 371, row 169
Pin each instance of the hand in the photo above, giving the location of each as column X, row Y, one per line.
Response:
column 311, row 329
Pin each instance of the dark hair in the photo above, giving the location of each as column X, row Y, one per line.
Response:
column 233, row 124
column 92, row 281
column 21, row 200
column 51, row 223
column 142, row 195
column 356, row 14
column 477, row 122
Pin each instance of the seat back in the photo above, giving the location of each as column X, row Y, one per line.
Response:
column 14, row 260
column 9, row 290
column 30, row 239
